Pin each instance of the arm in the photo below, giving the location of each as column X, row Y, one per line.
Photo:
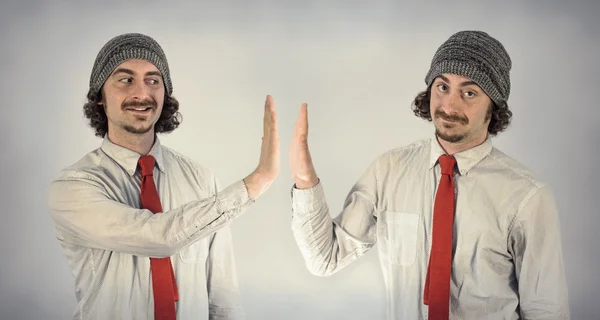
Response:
column 85, row 214
column 535, row 244
column 326, row 244
column 222, row 282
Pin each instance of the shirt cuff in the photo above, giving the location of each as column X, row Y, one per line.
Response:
column 307, row 200
column 233, row 198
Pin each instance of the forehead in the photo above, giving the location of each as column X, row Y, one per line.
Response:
column 136, row 67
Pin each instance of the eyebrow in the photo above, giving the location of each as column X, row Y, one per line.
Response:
column 130, row 72
column 462, row 84
column 123, row 70
column 153, row 73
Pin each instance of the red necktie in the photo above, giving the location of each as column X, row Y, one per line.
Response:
column 437, row 282
column 164, row 285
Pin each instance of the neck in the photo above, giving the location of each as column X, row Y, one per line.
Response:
column 452, row 148
column 140, row 143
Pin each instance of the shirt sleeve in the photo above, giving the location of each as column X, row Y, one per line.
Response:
column 327, row 244
column 535, row 242
column 84, row 214
column 222, row 283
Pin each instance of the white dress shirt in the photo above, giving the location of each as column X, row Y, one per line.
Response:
column 507, row 255
column 108, row 239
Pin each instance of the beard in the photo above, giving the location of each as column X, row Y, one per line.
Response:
column 138, row 104
column 134, row 130
column 455, row 121
column 453, row 138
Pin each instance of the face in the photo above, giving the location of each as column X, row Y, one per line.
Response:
column 460, row 109
column 133, row 97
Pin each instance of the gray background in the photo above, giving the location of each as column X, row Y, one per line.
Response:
column 358, row 67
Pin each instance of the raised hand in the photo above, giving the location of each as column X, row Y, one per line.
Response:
column 303, row 171
column 269, row 164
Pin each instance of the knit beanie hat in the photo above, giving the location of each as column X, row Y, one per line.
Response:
column 124, row 47
column 478, row 56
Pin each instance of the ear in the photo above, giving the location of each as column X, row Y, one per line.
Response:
column 101, row 93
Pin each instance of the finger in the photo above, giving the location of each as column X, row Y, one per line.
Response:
column 273, row 123
column 301, row 118
column 267, row 114
column 271, row 118
column 301, row 129
column 304, row 112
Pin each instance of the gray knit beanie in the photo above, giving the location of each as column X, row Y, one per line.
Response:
column 478, row 56
column 124, row 47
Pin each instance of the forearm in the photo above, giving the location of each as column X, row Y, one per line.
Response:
column 313, row 232
column 256, row 184
column 325, row 245
column 87, row 217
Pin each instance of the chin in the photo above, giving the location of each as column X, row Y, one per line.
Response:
column 138, row 130
column 449, row 136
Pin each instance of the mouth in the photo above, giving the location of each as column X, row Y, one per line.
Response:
column 139, row 110
column 448, row 120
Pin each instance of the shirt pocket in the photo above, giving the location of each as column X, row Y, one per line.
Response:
column 397, row 237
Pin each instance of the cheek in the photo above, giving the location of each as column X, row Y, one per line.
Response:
column 434, row 102
column 160, row 103
column 481, row 115
column 159, row 97
column 108, row 105
column 112, row 99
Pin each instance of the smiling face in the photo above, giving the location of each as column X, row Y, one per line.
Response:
column 133, row 97
column 460, row 110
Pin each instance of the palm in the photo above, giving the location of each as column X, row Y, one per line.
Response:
column 301, row 164
column 269, row 155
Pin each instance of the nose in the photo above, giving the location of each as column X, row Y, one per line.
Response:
column 451, row 103
column 139, row 91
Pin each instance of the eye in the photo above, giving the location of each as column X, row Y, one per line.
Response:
column 470, row 94
column 153, row 81
column 442, row 87
column 124, row 80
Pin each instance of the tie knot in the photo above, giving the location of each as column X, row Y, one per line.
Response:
column 146, row 165
column 447, row 164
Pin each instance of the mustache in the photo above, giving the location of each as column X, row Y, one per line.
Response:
column 142, row 103
column 451, row 117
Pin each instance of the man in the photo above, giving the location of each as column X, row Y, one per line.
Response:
column 463, row 230
column 145, row 229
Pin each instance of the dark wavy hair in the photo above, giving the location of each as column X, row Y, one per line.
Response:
column 499, row 113
column 169, row 119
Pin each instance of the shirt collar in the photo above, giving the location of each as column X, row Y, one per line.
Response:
column 128, row 159
column 466, row 159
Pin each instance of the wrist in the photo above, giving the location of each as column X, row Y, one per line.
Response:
column 306, row 183
column 256, row 184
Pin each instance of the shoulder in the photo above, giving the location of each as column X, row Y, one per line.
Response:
column 91, row 166
column 519, row 181
column 88, row 174
column 179, row 161
column 513, row 169
column 414, row 152
column 534, row 199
